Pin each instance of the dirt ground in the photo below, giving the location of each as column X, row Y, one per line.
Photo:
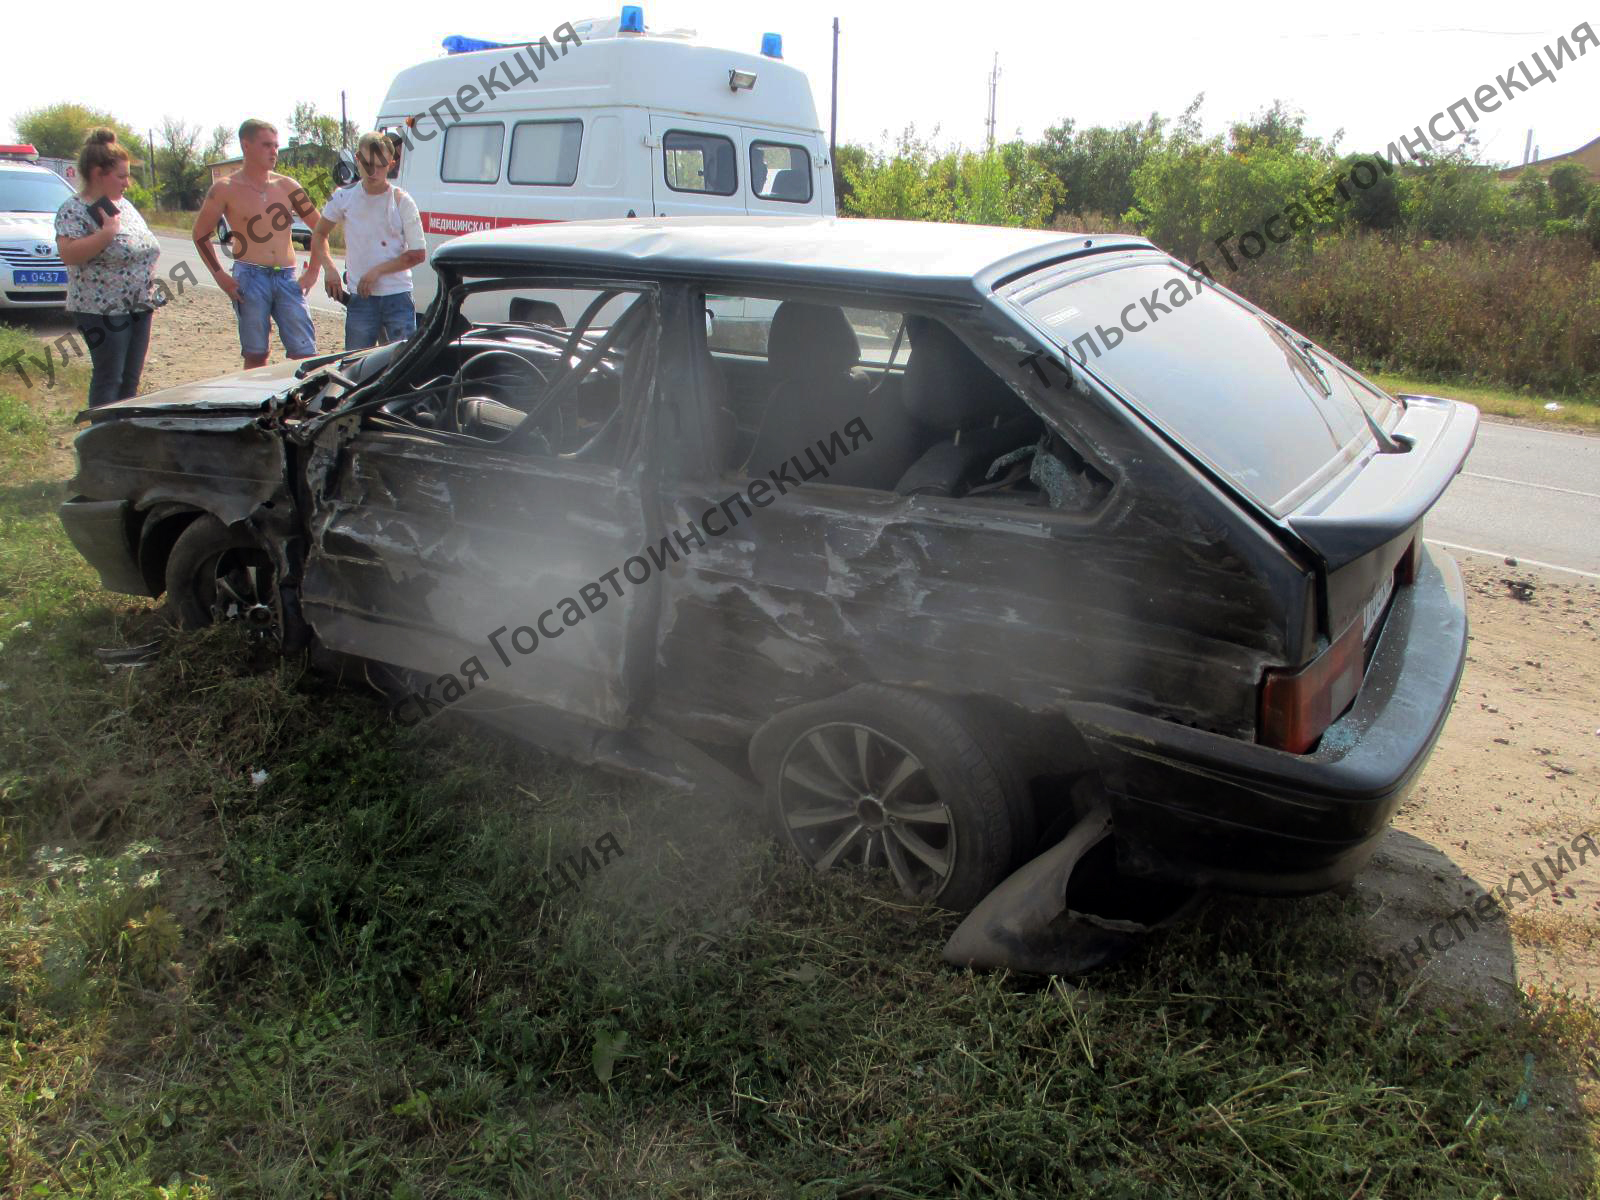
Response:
column 1515, row 777
column 195, row 337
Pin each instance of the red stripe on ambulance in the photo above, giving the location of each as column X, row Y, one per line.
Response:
column 452, row 224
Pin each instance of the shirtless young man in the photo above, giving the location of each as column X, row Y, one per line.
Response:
column 260, row 206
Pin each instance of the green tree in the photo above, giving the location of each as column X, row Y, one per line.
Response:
column 1095, row 166
column 182, row 177
column 904, row 185
column 58, row 130
column 221, row 142
column 1195, row 191
column 848, row 159
column 1527, row 203
column 1376, row 207
column 1452, row 196
column 1277, row 128
column 313, row 138
column 1570, row 189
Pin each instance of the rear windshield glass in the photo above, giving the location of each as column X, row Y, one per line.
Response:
column 1273, row 414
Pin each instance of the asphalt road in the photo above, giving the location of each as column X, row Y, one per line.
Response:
column 176, row 249
column 1529, row 494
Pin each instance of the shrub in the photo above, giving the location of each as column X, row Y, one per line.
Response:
column 1522, row 310
column 1570, row 190
column 1452, row 197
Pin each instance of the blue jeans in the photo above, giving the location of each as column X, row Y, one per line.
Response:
column 267, row 294
column 378, row 320
column 117, row 345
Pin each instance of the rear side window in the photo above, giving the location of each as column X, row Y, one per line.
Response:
column 545, row 152
column 780, row 172
column 472, row 153
column 700, row 162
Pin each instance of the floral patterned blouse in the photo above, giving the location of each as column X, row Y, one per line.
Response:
column 121, row 277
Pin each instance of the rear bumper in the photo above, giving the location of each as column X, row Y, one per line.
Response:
column 1213, row 811
column 99, row 529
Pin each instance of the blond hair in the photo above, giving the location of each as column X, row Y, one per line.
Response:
column 248, row 131
column 101, row 152
column 374, row 141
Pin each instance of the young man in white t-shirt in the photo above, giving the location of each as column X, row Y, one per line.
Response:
column 383, row 241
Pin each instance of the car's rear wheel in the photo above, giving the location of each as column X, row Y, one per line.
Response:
column 883, row 778
column 215, row 574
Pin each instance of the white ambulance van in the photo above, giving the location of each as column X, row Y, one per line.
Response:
column 621, row 122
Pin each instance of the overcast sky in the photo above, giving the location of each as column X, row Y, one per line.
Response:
column 1374, row 70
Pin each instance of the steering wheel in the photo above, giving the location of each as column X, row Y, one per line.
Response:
column 507, row 377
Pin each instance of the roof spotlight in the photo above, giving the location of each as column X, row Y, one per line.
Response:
column 741, row 81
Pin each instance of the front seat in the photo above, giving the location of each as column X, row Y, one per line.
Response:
column 787, row 184
column 972, row 412
column 818, row 389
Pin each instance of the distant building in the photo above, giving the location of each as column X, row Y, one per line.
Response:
column 224, row 168
column 1587, row 157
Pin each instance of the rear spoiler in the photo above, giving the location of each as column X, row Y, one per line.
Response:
column 1386, row 494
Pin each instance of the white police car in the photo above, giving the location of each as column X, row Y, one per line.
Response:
column 32, row 274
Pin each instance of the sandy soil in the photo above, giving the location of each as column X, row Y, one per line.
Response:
column 1513, row 780
column 1515, row 777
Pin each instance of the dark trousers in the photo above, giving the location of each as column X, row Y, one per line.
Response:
column 117, row 345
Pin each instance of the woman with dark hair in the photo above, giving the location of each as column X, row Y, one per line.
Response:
column 111, row 264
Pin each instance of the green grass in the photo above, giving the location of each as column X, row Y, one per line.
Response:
column 344, row 980
column 170, row 218
column 1579, row 412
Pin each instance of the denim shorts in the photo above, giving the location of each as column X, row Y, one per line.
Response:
column 267, row 294
column 378, row 320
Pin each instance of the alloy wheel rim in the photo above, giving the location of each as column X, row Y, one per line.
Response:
column 850, row 795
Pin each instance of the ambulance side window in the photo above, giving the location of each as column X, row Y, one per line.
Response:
column 545, row 152
column 780, row 172
column 700, row 162
column 472, row 153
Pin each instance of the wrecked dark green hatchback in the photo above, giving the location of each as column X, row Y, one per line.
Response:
column 968, row 548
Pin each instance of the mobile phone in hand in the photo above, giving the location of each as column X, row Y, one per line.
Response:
column 102, row 205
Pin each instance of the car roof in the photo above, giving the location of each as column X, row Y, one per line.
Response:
column 956, row 261
column 16, row 164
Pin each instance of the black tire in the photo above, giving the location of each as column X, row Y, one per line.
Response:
column 216, row 572
column 941, row 791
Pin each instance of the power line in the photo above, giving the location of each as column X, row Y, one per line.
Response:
column 1419, row 32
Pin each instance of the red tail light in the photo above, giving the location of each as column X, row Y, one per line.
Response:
column 1296, row 706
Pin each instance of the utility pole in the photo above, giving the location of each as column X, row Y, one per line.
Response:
column 344, row 122
column 1527, row 149
column 994, row 87
column 833, row 119
column 150, row 140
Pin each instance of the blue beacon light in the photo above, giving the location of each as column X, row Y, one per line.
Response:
column 632, row 19
column 772, row 45
column 456, row 44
